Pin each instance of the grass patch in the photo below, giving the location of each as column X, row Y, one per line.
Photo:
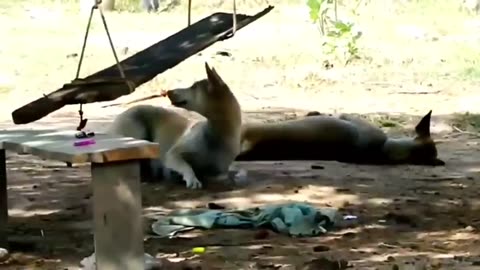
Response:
column 394, row 124
column 415, row 38
column 4, row 89
column 472, row 72
column 466, row 121
column 264, row 58
column 465, row 61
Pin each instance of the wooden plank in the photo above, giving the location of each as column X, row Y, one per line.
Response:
column 117, row 211
column 59, row 145
column 140, row 67
column 3, row 200
column 16, row 133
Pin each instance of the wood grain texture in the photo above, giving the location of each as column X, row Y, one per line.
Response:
column 117, row 213
column 59, row 145
column 3, row 201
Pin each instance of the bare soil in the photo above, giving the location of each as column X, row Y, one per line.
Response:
column 408, row 215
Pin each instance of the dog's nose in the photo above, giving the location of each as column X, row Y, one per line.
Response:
column 174, row 95
column 171, row 94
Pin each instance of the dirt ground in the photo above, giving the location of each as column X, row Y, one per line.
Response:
column 409, row 216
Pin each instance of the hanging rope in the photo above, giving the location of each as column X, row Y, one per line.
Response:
column 77, row 80
column 234, row 18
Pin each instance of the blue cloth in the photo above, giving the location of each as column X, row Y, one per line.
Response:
column 294, row 219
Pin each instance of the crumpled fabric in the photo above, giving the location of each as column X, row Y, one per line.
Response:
column 292, row 219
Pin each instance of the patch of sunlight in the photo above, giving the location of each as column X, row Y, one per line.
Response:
column 367, row 250
column 135, row 142
column 474, row 169
column 31, row 213
column 237, row 201
column 457, row 235
column 185, row 204
column 422, row 236
column 4, row 89
column 176, row 260
column 256, row 247
column 38, row 143
column 450, row 255
column 312, row 198
column 383, row 257
column 269, row 197
column 59, row 133
column 123, row 139
column 375, row 226
column 156, row 209
column 454, row 235
column 380, row 201
column 311, row 194
column 38, row 177
column 319, row 194
column 463, row 236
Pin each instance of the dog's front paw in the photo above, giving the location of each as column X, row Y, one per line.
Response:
column 193, row 183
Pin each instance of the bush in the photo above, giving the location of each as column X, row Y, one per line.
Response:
column 340, row 36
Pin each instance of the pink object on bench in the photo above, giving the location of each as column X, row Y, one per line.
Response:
column 84, row 142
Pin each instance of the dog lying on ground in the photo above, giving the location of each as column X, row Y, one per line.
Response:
column 344, row 139
column 198, row 151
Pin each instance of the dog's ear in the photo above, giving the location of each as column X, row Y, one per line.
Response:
column 213, row 76
column 423, row 127
column 209, row 71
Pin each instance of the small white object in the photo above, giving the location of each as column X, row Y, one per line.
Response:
column 241, row 177
column 3, row 254
column 88, row 263
column 350, row 217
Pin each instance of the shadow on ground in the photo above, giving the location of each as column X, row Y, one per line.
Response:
column 406, row 213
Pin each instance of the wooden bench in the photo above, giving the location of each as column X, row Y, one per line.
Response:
column 115, row 169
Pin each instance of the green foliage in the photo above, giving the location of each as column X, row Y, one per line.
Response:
column 340, row 36
column 314, row 6
column 466, row 121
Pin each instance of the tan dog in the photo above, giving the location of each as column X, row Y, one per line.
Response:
column 344, row 139
column 195, row 150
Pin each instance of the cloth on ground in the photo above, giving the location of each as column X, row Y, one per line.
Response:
column 293, row 219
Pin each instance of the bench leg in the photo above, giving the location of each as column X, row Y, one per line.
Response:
column 3, row 200
column 117, row 211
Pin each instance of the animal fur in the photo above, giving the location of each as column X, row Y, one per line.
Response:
column 197, row 150
column 345, row 139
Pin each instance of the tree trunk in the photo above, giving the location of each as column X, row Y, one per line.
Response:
column 86, row 5
column 108, row 5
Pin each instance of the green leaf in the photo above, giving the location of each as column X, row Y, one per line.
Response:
column 343, row 27
column 333, row 34
column 314, row 6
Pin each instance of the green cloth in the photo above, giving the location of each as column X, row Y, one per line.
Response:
column 294, row 219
